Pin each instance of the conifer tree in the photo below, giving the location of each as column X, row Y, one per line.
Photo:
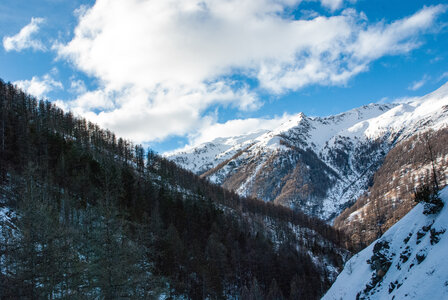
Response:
column 274, row 292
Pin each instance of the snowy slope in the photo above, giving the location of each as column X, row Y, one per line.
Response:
column 314, row 132
column 207, row 155
column 418, row 269
column 427, row 112
column 319, row 164
column 369, row 121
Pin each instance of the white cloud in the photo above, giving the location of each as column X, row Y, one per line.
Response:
column 143, row 115
column 419, row 83
column 39, row 87
column 167, row 61
column 399, row 37
column 236, row 127
column 24, row 39
column 332, row 4
column 78, row 87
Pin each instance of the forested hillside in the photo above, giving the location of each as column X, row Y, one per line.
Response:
column 85, row 214
column 408, row 165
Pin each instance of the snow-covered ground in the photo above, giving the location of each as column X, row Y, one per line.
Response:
column 208, row 155
column 416, row 250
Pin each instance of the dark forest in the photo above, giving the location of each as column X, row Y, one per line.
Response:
column 91, row 215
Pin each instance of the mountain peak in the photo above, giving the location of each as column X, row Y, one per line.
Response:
column 316, row 163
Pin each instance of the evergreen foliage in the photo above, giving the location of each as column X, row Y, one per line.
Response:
column 429, row 196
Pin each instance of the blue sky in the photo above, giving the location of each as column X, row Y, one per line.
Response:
column 167, row 73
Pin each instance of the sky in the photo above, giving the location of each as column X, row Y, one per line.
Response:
column 175, row 73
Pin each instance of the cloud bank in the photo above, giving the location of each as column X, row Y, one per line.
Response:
column 162, row 63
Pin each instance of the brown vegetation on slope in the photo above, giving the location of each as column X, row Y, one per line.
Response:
column 405, row 167
column 224, row 163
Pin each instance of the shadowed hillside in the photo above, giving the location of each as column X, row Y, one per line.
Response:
column 86, row 214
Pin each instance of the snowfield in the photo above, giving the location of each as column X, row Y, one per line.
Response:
column 418, row 246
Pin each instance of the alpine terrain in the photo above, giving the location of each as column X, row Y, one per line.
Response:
column 323, row 165
column 223, row 150
column 407, row 262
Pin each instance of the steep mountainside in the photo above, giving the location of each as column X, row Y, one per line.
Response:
column 320, row 165
column 407, row 262
column 407, row 166
column 87, row 215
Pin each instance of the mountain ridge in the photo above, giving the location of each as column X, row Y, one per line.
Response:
column 333, row 157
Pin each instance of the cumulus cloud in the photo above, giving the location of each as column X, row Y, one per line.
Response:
column 398, row 37
column 167, row 61
column 143, row 115
column 39, row 86
column 25, row 38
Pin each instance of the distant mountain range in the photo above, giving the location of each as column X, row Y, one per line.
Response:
column 321, row 165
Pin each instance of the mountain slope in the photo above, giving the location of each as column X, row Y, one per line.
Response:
column 407, row 262
column 407, row 166
column 320, row 165
column 297, row 164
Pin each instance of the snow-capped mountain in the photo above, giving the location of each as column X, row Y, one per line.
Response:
column 407, row 262
column 318, row 164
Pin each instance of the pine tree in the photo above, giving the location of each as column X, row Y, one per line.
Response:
column 256, row 293
column 274, row 292
column 295, row 292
